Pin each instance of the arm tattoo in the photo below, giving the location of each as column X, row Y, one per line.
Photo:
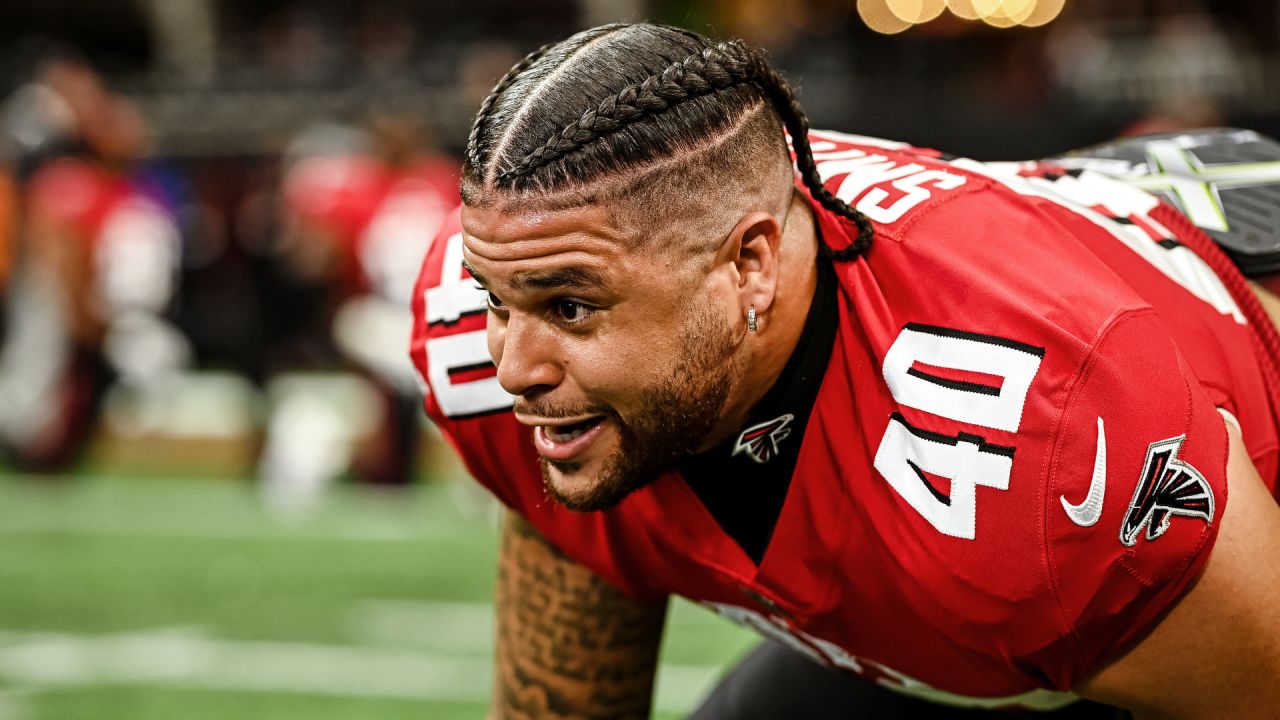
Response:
column 569, row 644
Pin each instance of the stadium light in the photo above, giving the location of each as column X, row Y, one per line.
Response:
column 890, row 17
column 1004, row 13
column 917, row 11
column 1044, row 12
column 880, row 18
column 963, row 9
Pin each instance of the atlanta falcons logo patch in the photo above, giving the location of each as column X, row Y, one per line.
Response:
column 761, row 441
column 1168, row 487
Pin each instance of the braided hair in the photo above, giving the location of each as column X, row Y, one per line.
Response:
column 619, row 98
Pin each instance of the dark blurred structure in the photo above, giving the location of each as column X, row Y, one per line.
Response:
column 231, row 90
column 228, row 77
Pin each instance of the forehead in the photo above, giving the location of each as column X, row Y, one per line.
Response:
column 510, row 241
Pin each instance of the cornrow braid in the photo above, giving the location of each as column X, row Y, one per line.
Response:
column 629, row 128
column 699, row 74
column 486, row 108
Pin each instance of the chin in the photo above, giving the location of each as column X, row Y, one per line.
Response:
column 582, row 487
column 588, row 485
column 572, row 484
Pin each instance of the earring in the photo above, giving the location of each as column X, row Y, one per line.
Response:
column 751, row 318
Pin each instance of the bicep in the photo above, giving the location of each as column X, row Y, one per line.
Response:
column 569, row 643
column 1217, row 652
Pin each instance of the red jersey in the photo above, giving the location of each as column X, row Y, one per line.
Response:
column 131, row 241
column 380, row 218
column 1016, row 461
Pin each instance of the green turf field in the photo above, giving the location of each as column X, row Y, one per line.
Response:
column 159, row 598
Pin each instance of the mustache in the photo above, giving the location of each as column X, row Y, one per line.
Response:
column 554, row 412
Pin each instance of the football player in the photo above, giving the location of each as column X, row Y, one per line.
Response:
column 984, row 436
column 357, row 225
column 100, row 250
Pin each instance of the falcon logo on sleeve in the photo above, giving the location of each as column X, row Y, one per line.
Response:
column 761, row 441
column 1168, row 487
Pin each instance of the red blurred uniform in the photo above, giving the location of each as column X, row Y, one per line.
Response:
column 109, row 252
column 359, row 227
column 1016, row 460
column 378, row 218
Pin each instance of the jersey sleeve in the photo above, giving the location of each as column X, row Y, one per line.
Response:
column 450, row 351
column 1137, row 486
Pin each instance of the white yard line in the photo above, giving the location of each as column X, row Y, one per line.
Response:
column 451, row 627
column 94, row 522
column 468, row 628
column 159, row 531
column 76, row 515
column 187, row 658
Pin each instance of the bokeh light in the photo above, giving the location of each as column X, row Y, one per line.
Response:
column 895, row 16
column 1004, row 13
column 917, row 11
column 963, row 9
column 877, row 15
column 1044, row 12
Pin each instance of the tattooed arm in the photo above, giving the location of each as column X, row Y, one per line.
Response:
column 569, row 644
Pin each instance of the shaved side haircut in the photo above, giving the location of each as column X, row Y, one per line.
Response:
column 665, row 127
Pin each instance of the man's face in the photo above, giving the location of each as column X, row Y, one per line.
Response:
column 621, row 360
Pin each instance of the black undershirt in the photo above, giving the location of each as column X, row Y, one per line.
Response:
column 745, row 495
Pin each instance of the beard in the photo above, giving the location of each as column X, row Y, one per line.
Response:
column 671, row 422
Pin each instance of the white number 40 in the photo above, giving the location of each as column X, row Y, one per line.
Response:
column 915, row 369
column 454, row 298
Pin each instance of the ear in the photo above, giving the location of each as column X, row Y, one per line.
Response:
column 752, row 249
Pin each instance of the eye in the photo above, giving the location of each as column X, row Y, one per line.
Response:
column 494, row 302
column 572, row 311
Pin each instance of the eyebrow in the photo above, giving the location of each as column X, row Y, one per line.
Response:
column 472, row 272
column 570, row 277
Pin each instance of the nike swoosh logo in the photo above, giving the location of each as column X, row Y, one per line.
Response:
column 1088, row 511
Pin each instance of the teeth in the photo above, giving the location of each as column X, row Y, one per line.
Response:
column 564, row 437
column 565, row 433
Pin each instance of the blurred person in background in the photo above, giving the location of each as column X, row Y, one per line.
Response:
column 8, row 217
column 98, row 246
column 360, row 208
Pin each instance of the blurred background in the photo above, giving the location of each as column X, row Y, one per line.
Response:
column 219, row 494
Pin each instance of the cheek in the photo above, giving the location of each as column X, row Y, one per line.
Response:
column 618, row 367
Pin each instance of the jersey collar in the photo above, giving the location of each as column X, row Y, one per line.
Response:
column 743, row 482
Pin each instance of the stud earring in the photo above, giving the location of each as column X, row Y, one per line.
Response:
column 751, row 318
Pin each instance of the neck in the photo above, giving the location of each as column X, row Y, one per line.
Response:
column 769, row 349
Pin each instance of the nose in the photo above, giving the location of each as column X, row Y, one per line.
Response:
column 525, row 356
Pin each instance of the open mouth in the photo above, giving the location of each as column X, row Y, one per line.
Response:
column 565, row 433
column 567, row 441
